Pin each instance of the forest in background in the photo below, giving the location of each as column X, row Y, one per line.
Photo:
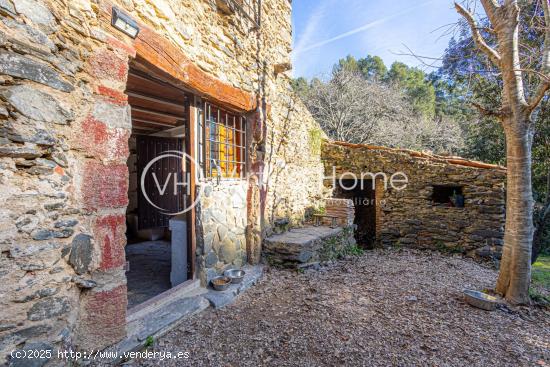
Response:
column 364, row 101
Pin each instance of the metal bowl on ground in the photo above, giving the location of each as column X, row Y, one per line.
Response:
column 236, row 275
column 480, row 300
column 221, row 283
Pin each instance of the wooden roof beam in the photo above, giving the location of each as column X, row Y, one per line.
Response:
column 154, row 99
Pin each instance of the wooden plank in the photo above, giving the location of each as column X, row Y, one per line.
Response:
column 191, row 150
column 157, row 113
column 145, row 128
column 145, row 83
column 158, row 100
column 139, row 131
column 154, row 123
column 155, row 106
column 145, row 124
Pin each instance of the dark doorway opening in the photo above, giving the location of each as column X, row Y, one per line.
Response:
column 362, row 193
column 157, row 251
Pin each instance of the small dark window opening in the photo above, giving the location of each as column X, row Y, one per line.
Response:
column 448, row 195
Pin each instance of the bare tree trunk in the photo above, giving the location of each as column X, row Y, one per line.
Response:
column 515, row 270
column 515, row 116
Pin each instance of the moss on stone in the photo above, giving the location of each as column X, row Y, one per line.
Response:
column 315, row 141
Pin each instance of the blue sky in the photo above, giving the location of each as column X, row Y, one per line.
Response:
column 327, row 30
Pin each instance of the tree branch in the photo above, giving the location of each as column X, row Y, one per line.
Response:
column 536, row 98
column 486, row 112
column 478, row 38
column 490, row 5
column 544, row 84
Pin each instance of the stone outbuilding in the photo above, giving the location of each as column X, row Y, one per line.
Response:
column 416, row 199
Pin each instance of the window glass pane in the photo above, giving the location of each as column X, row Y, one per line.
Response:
column 222, row 134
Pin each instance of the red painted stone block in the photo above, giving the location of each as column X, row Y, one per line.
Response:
column 94, row 132
column 59, row 170
column 113, row 95
column 102, row 318
column 104, row 186
column 103, row 143
column 110, row 233
column 106, row 64
column 121, row 46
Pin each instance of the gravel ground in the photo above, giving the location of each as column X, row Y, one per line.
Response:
column 385, row 308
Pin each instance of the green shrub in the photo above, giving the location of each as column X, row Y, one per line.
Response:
column 540, row 280
column 149, row 342
column 354, row 251
column 315, row 141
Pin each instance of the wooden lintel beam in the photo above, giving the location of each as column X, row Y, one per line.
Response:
column 175, row 66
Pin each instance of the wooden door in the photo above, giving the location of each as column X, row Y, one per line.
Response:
column 159, row 181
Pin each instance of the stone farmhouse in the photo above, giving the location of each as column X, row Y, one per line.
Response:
column 146, row 146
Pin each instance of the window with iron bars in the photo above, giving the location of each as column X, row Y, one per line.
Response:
column 221, row 142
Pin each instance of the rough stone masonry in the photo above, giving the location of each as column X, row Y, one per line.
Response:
column 410, row 217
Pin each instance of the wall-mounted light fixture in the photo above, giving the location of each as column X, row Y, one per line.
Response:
column 124, row 23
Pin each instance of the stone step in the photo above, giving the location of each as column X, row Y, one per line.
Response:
column 219, row 299
column 188, row 288
column 157, row 324
column 160, row 323
column 167, row 311
column 306, row 245
column 158, row 316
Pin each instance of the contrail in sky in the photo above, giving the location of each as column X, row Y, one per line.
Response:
column 311, row 28
column 364, row 27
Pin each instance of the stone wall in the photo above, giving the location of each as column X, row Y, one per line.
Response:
column 342, row 209
column 222, row 244
column 293, row 167
column 64, row 178
column 65, row 124
column 409, row 217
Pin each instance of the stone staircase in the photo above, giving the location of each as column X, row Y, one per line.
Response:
column 305, row 246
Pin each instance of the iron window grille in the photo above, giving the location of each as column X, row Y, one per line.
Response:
column 221, row 142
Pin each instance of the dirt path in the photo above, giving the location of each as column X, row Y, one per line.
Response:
column 381, row 309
